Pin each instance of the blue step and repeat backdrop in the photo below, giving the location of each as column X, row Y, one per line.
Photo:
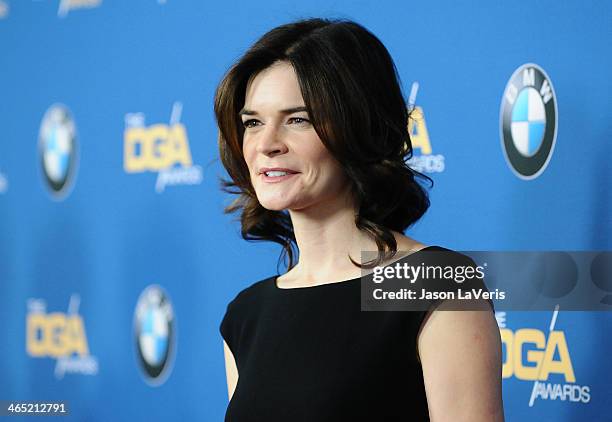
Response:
column 117, row 262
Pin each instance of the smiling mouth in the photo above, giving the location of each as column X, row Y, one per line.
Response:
column 276, row 176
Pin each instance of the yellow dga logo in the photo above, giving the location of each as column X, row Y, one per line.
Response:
column 425, row 162
column 56, row 335
column 417, row 128
column 531, row 355
column 540, row 359
column 160, row 148
column 155, row 148
column 59, row 336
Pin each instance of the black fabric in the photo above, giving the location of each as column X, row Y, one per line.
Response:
column 311, row 354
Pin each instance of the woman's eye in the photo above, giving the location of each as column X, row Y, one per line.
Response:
column 299, row 120
column 250, row 123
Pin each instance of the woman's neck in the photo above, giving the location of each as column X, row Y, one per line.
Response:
column 326, row 236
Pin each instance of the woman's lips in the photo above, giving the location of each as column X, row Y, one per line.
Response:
column 277, row 179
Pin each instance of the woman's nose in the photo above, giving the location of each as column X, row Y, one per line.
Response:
column 271, row 141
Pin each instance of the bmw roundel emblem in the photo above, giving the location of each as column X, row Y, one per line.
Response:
column 155, row 334
column 57, row 146
column 528, row 121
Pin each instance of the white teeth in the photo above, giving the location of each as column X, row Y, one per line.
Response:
column 275, row 173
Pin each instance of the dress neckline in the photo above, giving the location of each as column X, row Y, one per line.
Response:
column 346, row 282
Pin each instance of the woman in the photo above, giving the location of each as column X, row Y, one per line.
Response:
column 313, row 133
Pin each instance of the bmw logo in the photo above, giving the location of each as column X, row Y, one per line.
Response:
column 58, row 149
column 528, row 121
column 155, row 334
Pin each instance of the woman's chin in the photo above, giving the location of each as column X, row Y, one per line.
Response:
column 274, row 204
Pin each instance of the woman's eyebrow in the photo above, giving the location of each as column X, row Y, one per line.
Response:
column 297, row 109
column 246, row 112
column 293, row 110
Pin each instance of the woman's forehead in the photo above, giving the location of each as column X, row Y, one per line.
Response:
column 274, row 88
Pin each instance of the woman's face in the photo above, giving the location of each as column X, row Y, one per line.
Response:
column 278, row 134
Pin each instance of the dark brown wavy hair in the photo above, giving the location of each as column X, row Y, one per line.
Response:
column 354, row 100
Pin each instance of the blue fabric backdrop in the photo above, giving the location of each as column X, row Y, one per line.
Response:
column 98, row 98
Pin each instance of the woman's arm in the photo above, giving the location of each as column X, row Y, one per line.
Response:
column 231, row 371
column 461, row 356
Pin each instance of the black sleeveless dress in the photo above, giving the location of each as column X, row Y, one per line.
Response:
column 311, row 354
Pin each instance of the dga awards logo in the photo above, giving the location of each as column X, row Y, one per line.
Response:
column 57, row 146
column 155, row 334
column 528, row 121
column 425, row 161
column 544, row 358
column 160, row 148
column 60, row 336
